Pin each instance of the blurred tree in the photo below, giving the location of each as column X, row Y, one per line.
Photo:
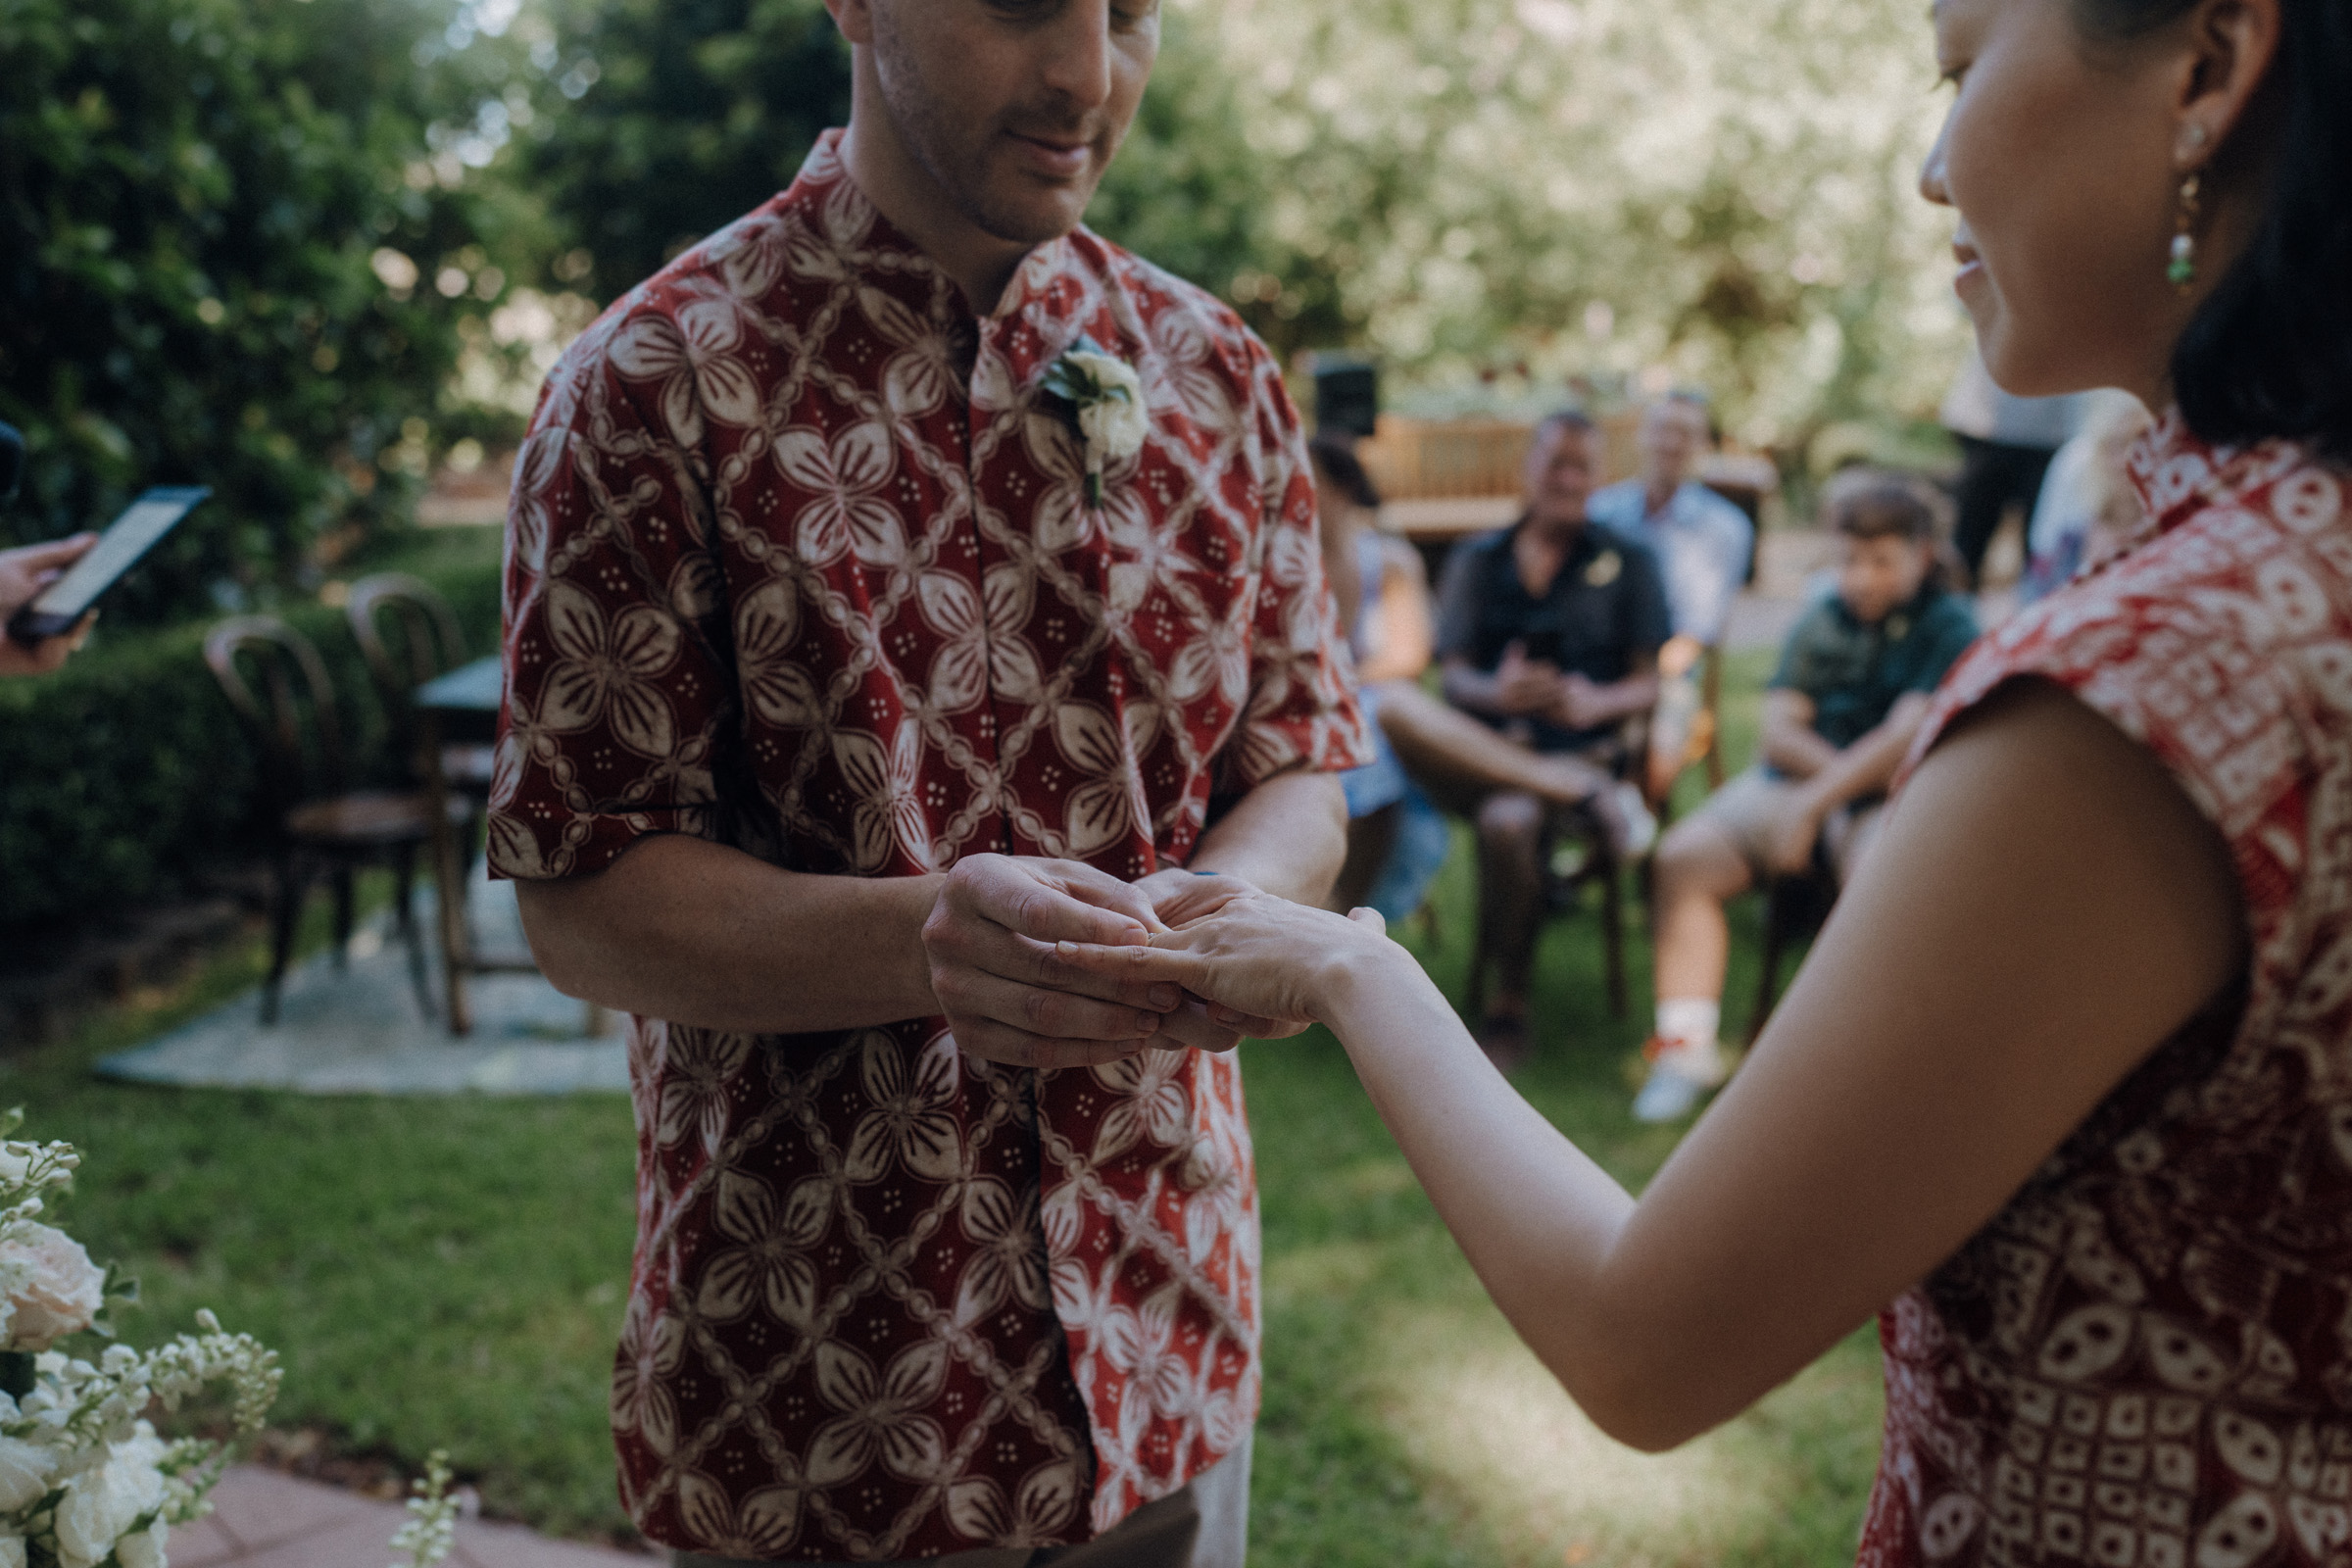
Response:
column 684, row 114
column 237, row 242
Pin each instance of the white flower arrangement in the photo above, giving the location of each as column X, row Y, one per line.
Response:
column 85, row 1481
column 1109, row 396
column 430, row 1531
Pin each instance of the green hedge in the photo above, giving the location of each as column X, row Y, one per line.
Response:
column 126, row 774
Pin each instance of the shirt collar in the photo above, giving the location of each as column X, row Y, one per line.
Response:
column 2179, row 473
column 868, row 243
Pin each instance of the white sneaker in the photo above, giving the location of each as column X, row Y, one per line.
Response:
column 1677, row 1082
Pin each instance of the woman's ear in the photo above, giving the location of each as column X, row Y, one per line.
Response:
column 2231, row 44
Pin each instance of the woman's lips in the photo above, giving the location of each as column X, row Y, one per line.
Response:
column 1972, row 268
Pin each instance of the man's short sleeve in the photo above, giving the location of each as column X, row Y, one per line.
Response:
column 1811, row 640
column 1457, row 600
column 614, row 692
column 1953, row 628
column 1301, row 707
column 1647, row 621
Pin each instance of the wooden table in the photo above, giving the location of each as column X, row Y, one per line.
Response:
column 461, row 709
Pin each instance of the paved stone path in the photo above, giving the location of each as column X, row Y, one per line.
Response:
column 262, row 1519
column 358, row 1029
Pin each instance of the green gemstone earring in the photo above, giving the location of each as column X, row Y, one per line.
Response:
column 2183, row 268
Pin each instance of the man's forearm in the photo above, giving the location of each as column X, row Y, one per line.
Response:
column 1288, row 836
column 1636, row 694
column 1869, row 765
column 698, row 933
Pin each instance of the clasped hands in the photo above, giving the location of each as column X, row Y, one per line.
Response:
column 1536, row 688
column 997, row 940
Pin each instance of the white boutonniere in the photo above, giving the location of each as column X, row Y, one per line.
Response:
column 1109, row 396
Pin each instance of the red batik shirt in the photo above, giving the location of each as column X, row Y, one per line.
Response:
column 2145, row 1360
column 801, row 559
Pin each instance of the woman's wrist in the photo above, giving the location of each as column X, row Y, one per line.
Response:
column 1364, row 980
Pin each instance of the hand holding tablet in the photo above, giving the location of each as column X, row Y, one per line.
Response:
column 49, row 590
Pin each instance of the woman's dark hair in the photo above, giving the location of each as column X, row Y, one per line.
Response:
column 2270, row 352
column 1336, row 456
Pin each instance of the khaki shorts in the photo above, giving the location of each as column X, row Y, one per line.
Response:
column 1748, row 810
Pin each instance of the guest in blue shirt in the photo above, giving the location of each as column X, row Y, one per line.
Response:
column 1703, row 542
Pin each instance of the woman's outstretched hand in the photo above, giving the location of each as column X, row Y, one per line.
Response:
column 1274, row 965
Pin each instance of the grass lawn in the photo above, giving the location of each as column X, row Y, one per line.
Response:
column 449, row 1272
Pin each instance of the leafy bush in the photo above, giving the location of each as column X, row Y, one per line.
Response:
column 125, row 774
column 213, row 219
column 684, row 116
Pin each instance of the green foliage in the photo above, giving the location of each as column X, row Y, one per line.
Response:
column 685, row 115
column 125, row 773
column 212, row 218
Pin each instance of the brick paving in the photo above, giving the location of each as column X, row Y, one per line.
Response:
column 262, row 1519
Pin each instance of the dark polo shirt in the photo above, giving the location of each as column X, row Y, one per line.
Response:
column 1604, row 610
column 1856, row 671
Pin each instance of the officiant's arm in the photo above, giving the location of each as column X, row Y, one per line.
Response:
column 698, row 933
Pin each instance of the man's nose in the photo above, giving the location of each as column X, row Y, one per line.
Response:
column 1078, row 54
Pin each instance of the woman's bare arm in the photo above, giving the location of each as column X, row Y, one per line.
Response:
column 2043, row 909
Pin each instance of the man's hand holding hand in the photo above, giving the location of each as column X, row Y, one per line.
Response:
column 991, row 943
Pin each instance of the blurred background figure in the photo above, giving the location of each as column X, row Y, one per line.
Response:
column 24, row 573
column 1838, row 718
column 1704, row 545
column 1397, row 837
column 2006, row 444
column 1548, row 634
column 2087, row 511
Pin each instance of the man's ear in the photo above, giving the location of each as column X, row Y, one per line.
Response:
column 2230, row 46
column 854, row 18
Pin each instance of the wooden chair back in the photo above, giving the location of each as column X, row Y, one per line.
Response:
column 288, row 705
column 408, row 634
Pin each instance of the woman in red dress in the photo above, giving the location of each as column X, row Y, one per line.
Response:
column 2068, row 1079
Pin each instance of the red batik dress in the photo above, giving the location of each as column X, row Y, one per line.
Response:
column 2147, row 1358
column 801, row 559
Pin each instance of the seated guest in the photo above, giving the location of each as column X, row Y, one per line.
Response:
column 1838, row 718
column 1703, row 544
column 2087, row 511
column 1397, row 837
column 1548, row 634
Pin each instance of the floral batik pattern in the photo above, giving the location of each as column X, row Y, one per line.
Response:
column 2147, row 1358
column 803, row 559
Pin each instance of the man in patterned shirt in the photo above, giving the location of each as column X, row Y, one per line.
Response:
column 844, row 678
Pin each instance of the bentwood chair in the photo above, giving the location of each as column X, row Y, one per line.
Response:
column 319, row 825
column 407, row 636
column 1584, row 857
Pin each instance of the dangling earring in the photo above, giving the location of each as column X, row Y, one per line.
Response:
column 2184, row 269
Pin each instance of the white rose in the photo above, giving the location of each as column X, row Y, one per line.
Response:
column 1114, row 429
column 12, row 1551
column 63, row 1292
column 101, row 1504
column 24, row 1472
column 144, row 1549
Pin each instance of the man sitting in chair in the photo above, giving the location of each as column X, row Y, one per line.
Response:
column 1838, row 718
column 1547, row 632
column 1703, row 543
